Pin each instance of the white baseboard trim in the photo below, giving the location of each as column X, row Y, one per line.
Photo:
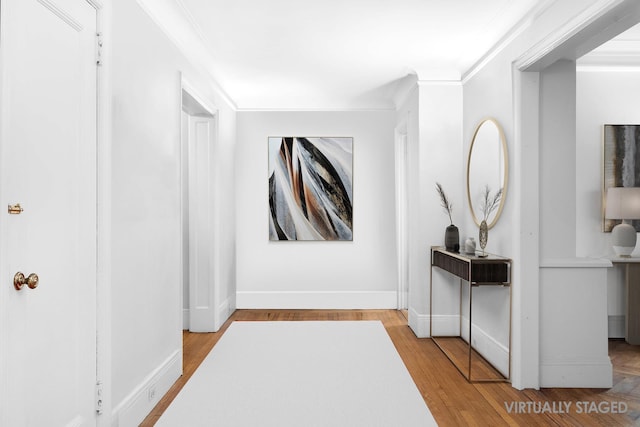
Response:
column 419, row 323
column 138, row 404
column 576, row 373
column 616, row 326
column 448, row 325
column 224, row 312
column 493, row 351
column 317, row 300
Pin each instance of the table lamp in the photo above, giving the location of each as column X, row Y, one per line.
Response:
column 623, row 203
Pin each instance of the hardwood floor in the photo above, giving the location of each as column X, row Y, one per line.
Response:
column 452, row 400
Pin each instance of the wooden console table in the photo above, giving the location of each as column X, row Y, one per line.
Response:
column 476, row 271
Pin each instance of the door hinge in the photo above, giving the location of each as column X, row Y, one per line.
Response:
column 99, row 44
column 99, row 397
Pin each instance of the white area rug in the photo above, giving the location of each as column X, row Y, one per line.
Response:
column 301, row 374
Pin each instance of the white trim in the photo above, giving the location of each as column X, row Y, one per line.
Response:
column 191, row 89
column 525, row 326
column 402, row 218
column 104, row 180
column 97, row 4
column 448, row 325
column 575, row 263
column 224, row 312
column 138, row 404
column 592, row 68
column 563, row 34
column 576, row 373
column 195, row 51
column 507, row 39
column 61, row 14
column 202, row 317
column 491, row 349
column 313, row 110
column 419, row 323
column 338, row 300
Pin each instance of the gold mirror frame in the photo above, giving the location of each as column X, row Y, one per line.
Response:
column 505, row 177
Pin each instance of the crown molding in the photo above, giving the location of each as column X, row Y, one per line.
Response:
column 179, row 28
column 97, row 4
column 523, row 24
column 563, row 34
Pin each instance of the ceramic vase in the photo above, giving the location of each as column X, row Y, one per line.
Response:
column 452, row 239
column 470, row 246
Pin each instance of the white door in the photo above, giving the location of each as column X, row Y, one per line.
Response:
column 202, row 310
column 48, row 166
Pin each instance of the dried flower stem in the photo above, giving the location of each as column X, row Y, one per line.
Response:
column 448, row 206
column 489, row 204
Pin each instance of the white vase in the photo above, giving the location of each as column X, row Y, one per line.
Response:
column 470, row 246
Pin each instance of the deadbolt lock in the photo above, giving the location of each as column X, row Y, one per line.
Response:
column 15, row 209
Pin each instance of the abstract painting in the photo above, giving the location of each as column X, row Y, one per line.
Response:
column 310, row 188
column 621, row 163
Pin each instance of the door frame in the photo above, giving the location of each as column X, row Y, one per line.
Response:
column 595, row 25
column 203, row 313
column 402, row 211
column 104, row 171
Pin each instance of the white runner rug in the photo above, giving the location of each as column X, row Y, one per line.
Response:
column 302, row 374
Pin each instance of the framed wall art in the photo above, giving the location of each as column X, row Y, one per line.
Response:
column 621, row 168
column 310, row 188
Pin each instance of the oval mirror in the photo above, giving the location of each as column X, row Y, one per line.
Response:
column 487, row 172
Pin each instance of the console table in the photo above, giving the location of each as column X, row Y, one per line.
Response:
column 476, row 271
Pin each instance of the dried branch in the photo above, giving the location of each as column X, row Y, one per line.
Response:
column 448, row 206
column 489, row 204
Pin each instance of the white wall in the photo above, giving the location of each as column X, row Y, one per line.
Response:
column 286, row 274
column 146, row 230
column 492, row 89
column 558, row 160
column 439, row 156
column 602, row 98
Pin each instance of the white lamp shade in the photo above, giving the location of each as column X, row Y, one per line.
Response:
column 623, row 203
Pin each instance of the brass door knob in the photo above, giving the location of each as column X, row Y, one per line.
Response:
column 19, row 280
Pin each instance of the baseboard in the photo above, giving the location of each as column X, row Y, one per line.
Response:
column 224, row 312
column 493, row 351
column 317, row 300
column 616, row 326
column 139, row 403
column 576, row 373
column 449, row 325
column 419, row 323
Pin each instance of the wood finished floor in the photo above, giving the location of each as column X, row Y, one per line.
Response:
column 452, row 400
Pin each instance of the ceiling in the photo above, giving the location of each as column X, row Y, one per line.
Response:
column 337, row 54
column 340, row 54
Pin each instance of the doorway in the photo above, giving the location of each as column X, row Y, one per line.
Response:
column 402, row 239
column 570, row 42
column 198, row 136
